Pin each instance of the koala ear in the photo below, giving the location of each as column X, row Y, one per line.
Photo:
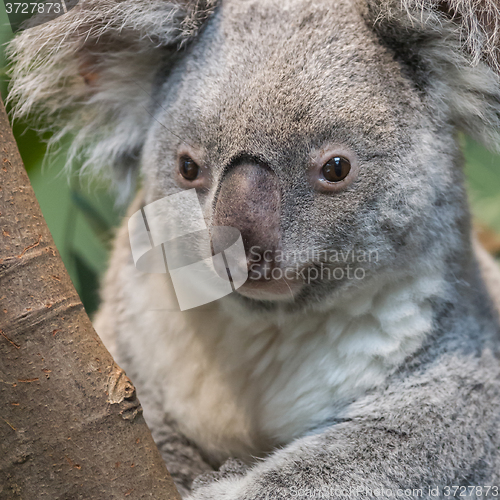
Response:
column 451, row 48
column 91, row 73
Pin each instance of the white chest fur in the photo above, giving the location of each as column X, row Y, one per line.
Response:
column 240, row 384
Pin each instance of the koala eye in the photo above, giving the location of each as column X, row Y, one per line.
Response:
column 333, row 168
column 336, row 169
column 188, row 168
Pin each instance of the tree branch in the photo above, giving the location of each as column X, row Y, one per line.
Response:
column 70, row 424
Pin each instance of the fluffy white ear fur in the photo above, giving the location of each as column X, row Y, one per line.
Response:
column 474, row 23
column 455, row 45
column 90, row 73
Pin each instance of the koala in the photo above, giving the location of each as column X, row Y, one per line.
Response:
column 361, row 356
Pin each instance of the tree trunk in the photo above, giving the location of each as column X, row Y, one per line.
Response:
column 71, row 426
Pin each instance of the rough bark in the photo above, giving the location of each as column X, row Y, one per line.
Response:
column 71, row 426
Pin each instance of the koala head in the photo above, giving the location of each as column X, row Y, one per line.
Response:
column 324, row 131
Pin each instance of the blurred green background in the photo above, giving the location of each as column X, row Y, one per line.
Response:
column 82, row 219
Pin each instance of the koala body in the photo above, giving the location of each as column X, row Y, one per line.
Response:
column 249, row 386
column 342, row 383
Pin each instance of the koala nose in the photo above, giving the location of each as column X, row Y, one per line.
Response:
column 249, row 200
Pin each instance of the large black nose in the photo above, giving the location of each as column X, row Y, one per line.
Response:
column 249, row 199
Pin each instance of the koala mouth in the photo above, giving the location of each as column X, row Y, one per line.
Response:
column 280, row 288
column 267, row 280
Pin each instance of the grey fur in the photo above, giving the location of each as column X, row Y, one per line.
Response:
column 267, row 83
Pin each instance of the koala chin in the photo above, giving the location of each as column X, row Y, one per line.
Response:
column 362, row 352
